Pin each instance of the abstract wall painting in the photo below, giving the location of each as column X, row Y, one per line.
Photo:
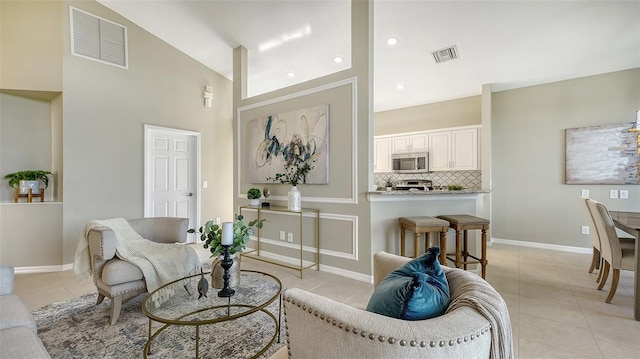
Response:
column 292, row 138
column 603, row 154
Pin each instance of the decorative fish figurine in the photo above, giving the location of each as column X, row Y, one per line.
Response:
column 203, row 285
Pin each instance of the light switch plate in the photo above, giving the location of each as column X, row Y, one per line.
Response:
column 613, row 193
column 624, row 194
column 584, row 193
column 585, row 229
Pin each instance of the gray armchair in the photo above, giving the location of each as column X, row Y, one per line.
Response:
column 120, row 280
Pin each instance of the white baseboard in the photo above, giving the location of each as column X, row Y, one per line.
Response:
column 555, row 247
column 43, row 269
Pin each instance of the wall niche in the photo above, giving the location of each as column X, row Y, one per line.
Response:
column 31, row 138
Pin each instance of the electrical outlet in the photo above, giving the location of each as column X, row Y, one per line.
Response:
column 282, row 235
column 584, row 193
column 585, row 229
column 290, row 237
column 613, row 193
column 624, row 194
column 218, row 221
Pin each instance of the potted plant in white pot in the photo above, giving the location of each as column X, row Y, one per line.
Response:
column 30, row 179
column 388, row 184
column 211, row 235
column 253, row 195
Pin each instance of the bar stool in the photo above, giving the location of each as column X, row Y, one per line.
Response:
column 426, row 225
column 461, row 223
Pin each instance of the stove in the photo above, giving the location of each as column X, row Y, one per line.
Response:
column 421, row 185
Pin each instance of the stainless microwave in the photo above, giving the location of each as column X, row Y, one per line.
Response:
column 410, row 162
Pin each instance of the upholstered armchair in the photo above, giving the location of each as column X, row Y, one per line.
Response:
column 318, row 327
column 117, row 279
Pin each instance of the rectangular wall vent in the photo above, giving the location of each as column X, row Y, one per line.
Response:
column 447, row 54
column 99, row 39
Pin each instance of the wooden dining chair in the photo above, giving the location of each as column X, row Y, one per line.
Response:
column 614, row 255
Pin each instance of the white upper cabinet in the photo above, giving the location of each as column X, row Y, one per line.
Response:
column 455, row 150
column 439, row 153
column 382, row 154
column 410, row 143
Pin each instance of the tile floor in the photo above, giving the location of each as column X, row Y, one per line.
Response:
column 555, row 307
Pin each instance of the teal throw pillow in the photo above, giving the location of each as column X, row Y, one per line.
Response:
column 418, row 290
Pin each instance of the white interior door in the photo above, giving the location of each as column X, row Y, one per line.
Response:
column 171, row 174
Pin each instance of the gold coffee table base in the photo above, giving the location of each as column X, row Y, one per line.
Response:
column 192, row 306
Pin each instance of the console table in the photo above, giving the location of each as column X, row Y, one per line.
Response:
column 301, row 214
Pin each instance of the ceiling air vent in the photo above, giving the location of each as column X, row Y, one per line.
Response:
column 446, row 54
column 99, row 39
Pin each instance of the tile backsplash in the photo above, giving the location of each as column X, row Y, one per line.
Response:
column 468, row 179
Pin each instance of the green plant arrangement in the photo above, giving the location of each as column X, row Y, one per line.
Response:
column 211, row 234
column 455, row 187
column 254, row 193
column 293, row 174
column 388, row 182
column 31, row 175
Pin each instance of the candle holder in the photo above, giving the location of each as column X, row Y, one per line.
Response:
column 226, row 263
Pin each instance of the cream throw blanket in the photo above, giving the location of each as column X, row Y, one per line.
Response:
column 481, row 296
column 160, row 263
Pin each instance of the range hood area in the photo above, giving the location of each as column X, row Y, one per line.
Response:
column 414, row 185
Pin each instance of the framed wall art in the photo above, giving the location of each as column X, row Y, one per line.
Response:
column 602, row 154
column 296, row 138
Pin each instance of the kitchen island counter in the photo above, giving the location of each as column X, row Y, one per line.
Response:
column 394, row 195
column 388, row 206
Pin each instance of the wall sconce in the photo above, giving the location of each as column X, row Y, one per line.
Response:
column 208, row 96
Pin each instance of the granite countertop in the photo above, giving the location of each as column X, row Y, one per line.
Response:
column 426, row 193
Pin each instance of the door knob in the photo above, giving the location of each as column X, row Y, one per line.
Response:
column 190, row 195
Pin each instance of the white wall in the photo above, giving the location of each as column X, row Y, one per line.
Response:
column 454, row 113
column 530, row 201
column 345, row 212
column 105, row 110
column 98, row 125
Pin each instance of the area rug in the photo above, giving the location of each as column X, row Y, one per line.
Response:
column 80, row 329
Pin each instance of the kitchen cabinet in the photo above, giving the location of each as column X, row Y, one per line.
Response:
column 382, row 154
column 455, row 150
column 410, row 143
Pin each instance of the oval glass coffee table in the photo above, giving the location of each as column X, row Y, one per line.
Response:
column 236, row 320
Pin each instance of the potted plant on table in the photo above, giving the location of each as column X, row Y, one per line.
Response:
column 30, row 179
column 253, row 195
column 211, row 235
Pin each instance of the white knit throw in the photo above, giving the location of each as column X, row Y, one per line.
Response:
column 481, row 296
column 160, row 263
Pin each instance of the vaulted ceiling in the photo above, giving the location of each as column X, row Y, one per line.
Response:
column 508, row 44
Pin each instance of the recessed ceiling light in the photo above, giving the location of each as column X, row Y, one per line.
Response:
column 291, row 74
column 392, row 41
column 400, row 86
column 338, row 59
